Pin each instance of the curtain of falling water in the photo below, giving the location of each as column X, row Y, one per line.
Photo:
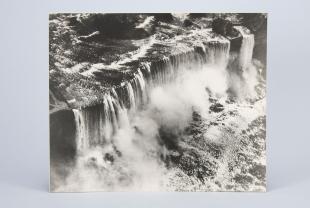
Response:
column 246, row 50
column 97, row 125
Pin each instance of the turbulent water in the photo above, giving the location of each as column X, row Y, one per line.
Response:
column 193, row 122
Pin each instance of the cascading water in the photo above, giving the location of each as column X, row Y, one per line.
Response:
column 140, row 89
column 166, row 102
column 131, row 95
column 97, row 125
column 218, row 54
column 130, row 132
column 81, row 131
column 246, row 50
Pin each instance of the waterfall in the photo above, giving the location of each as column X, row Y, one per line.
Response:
column 218, row 54
column 141, row 88
column 169, row 102
column 81, row 131
column 121, row 135
column 96, row 125
column 131, row 95
column 246, row 50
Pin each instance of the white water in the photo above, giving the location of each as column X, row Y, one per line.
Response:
column 146, row 22
column 81, row 131
column 131, row 96
column 246, row 50
column 168, row 99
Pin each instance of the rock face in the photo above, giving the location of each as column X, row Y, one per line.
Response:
column 217, row 107
column 222, row 26
column 163, row 17
column 62, row 136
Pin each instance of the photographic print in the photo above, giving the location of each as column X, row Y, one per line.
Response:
column 157, row 102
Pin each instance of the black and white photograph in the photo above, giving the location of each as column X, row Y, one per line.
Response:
column 172, row 102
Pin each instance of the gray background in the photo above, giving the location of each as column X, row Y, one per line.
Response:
column 24, row 164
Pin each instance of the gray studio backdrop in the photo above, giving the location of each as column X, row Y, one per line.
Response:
column 24, row 161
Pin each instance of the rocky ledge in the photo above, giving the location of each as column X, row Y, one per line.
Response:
column 92, row 53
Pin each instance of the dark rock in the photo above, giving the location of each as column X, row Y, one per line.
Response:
column 213, row 124
column 194, row 164
column 222, row 26
column 62, row 136
column 200, row 15
column 189, row 163
column 163, row 17
column 109, row 76
column 253, row 21
column 217, row 107
column 168, row 138
column 73, row 21
column 200, row 50
column 109, row 157
column 235, row 43
column 243, row 179
column 175, row 157
column 196, row 116
column 188, row 23
column 137, row 33
column 259, row 171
